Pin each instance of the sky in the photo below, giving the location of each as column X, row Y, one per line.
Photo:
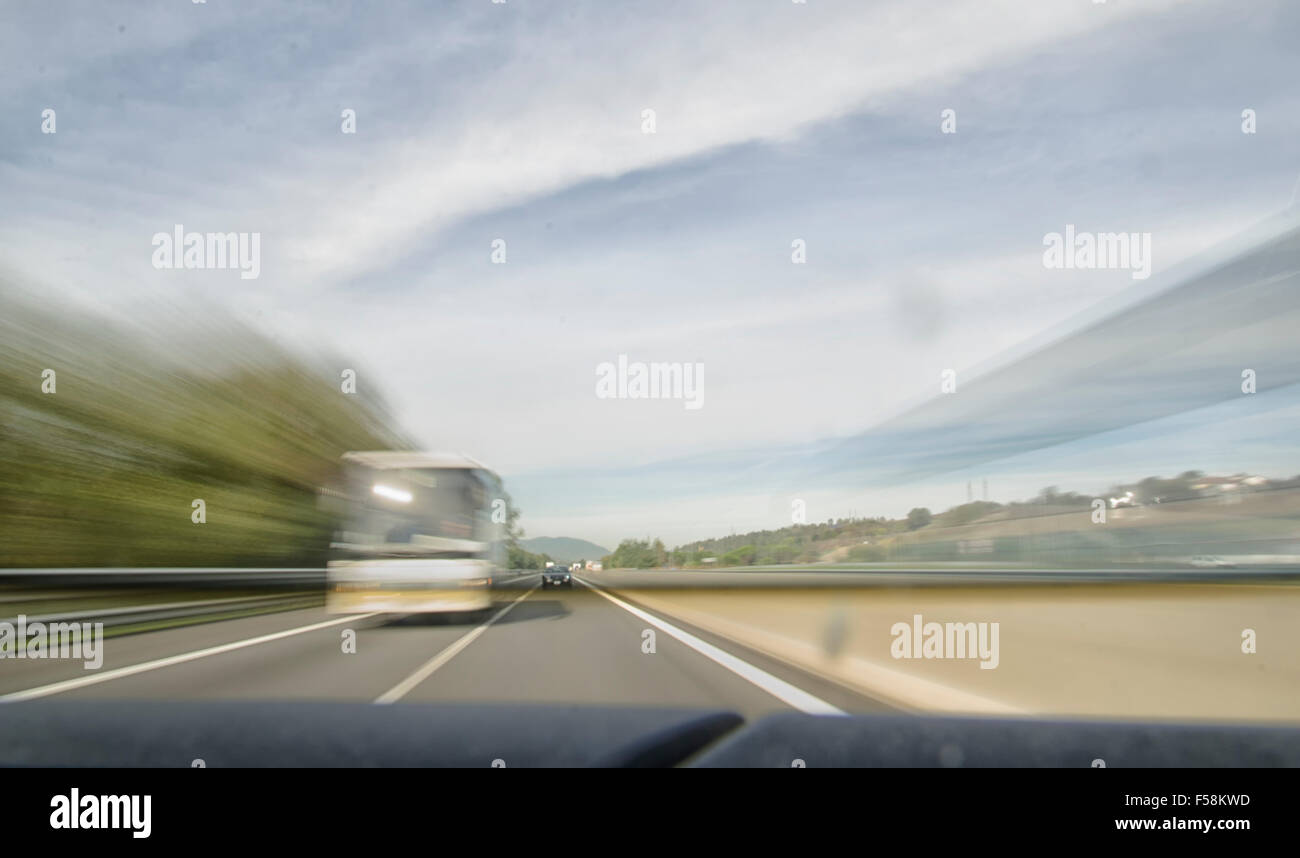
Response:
column 774, row 122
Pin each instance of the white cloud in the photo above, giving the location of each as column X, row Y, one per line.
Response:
column 567, row 107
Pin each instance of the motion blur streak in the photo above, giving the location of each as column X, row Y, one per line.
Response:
column 1144, row 355
column 109, row 433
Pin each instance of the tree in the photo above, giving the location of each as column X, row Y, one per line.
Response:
column 518, row 557
column 514, row 532
column 918, row 517
column 743, row 556
column 633, row 554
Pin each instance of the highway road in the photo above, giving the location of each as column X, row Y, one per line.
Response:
column 1082, row 643
column 556, row 645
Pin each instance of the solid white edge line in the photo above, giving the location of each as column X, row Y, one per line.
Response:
column 778, row 688
column 131, row 670
column 401, row 689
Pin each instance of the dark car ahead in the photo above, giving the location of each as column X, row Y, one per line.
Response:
column 556, row 576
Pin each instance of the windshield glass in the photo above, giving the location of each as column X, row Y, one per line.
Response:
column 416, row 507
column 899, row 358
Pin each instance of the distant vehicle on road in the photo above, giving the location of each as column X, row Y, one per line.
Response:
column 418, row 536
column 557, row 576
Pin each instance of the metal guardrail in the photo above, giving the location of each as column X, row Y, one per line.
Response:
column 293, row 588
column 139, row 614
column 248, row 577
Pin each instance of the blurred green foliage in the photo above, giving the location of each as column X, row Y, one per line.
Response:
column 796, row 543
column 103, row 470
column 518, row 557
column 637, row 554
column 867, row 554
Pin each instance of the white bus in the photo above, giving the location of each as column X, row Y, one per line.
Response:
column 418, row 534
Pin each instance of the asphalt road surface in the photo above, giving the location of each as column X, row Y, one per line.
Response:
column 555, row 645
column 1133, row 644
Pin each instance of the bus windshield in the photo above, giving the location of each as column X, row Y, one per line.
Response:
column 416, row 510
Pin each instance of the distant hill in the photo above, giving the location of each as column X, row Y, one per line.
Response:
column 564, row 549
